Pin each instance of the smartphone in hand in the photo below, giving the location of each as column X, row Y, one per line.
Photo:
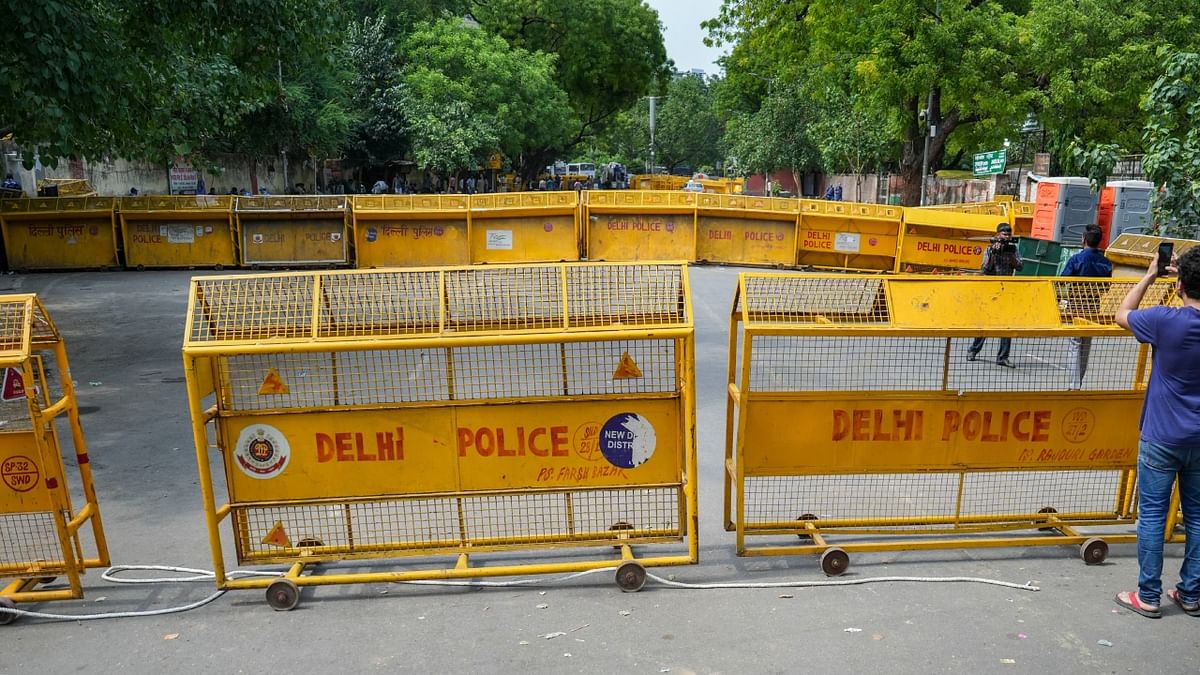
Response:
column 1165, row 250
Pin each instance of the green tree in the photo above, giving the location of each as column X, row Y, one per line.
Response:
column 1092, row 62
column 1172, row 143
column 465, row 94
column 850, row 136
column 145, row 79
column 609, row 53
column 687, row 131
column 777, row 136
column 954, row 57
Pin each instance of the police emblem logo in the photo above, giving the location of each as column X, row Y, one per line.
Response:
column 262, row 451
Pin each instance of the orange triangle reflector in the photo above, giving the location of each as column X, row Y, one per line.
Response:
column 627, row 369
column 273, row 384
column 277, row 536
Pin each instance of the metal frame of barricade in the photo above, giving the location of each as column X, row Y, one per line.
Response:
column 171, row 223
column 517, row 227
column 852, row 411
column 339, row 398
column 39, row 528
column 88, row 220
column 411, row 230
column 282, row 212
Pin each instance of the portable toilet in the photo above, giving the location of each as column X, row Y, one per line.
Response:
column 1124, row 207
column 1064, row 207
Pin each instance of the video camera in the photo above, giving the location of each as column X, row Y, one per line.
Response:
column 1008, row 245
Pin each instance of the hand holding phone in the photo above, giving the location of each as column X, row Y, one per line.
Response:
column 1165, row 250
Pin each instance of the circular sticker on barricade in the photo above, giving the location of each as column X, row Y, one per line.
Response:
column 627, row 440
column 262, row 451
column 19, row 473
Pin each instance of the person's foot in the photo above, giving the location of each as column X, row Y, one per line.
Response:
column 1189, row 608
column 1005, row 363
column 972, row 356
column 1130, row 601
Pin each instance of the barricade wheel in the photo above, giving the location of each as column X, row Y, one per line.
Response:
column 834, row 562
column 309, row 542
column 807, row 516
column 1094, row 551
column 5, row 617
column 218, row 267
column 631, row 576
column 1047, row 509
column 283, row 595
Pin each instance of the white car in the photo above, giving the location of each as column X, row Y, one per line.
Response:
column 693, row 186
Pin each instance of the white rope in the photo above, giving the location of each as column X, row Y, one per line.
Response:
column 194, row 575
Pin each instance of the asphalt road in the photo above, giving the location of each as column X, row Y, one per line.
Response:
column 124, row 332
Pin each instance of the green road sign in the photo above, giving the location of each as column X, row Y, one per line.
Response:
column 989, row 163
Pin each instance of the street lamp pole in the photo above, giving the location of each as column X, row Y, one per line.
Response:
column 653, row 113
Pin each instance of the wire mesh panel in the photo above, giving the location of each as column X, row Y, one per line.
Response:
column 931, row 407
column 457, row 410
column 421, row 526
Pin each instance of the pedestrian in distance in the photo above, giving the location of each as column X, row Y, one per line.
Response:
column 1000, row 259
column 10, row 183
column 1084, row 299
column 1169, row 445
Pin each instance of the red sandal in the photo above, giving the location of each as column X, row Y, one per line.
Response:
column 1189, row 608
column 1130, row 601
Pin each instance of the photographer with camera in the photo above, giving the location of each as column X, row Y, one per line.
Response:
column 1000, row 259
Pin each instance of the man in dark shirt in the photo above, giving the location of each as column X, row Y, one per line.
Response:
column 1169, row 446
column 1000, row 259
column 1090, row 263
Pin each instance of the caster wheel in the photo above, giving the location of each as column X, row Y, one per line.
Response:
column 807, row 516
column 1047, row 509
column 631, row 576
column 46, row 580
column 1094, row 551
column 309, row 542
column 140, row 268
column 218, row 267
column 5, row 617
column 834, row 562
column 283, row 595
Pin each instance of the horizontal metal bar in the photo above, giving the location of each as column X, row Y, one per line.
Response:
column 457, row 573
column 929, row 545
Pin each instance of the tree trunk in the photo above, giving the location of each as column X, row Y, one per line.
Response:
column 912, row 158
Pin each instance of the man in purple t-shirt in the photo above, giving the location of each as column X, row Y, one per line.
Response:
column 1170, row 436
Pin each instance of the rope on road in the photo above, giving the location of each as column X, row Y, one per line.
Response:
column 194, row 575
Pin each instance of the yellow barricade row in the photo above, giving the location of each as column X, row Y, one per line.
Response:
column 292, row 230
column 746, row 230
column 178, row 231
column 936, row 240
column 848, row 235
column 633, row 225
column 40, row 530
column 905, row 440
column 524, row 227
column 411, row 230
column 59, row 233
column 457, row 411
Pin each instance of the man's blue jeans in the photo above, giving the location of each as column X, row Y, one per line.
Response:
column 1158, row 467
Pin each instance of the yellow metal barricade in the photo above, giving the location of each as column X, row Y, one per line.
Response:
column 292, row 230
column 854, row 410
column 1131, row 254
column 39, row 529
column 59, row 233
column 411, row 230
column 178, row 231
column 525, row 227
column 631, row 225
column 746, row 230
column 454, row 411
column 848, row 235
column 936, row 240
